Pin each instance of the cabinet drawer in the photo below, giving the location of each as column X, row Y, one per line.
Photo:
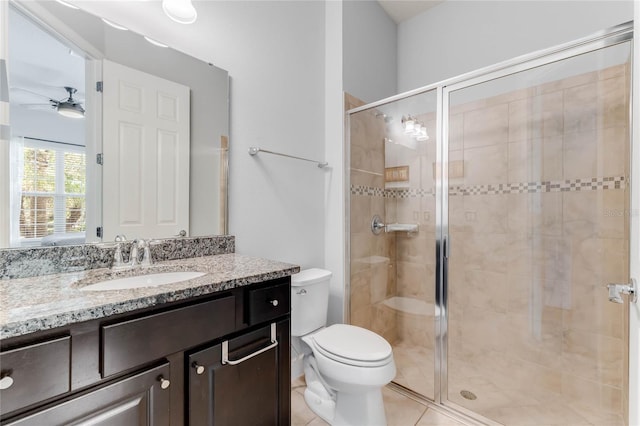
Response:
column 39, row 372
column 267, row 303
column 138, row 341
column 136, row 400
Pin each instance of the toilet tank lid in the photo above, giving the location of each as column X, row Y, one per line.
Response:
column 309, row 276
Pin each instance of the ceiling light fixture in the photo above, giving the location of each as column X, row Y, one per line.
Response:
column 69, row 5
column 114, row 25
column 156, row 43
column 181, row 11
column 70, row 109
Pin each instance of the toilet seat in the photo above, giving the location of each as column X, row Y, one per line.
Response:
column 353, row 345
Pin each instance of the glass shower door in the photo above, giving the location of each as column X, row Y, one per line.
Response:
column 392, row 275
column 538, row 202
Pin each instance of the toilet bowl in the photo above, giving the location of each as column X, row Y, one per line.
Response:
column 345, row 366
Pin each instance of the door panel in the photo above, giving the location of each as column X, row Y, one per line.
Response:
column 146, row 154
column 254, row 392
column 538, row 225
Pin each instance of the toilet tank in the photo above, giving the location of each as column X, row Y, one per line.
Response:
column 309, row 300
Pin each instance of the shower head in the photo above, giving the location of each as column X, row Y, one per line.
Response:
column 387, row 118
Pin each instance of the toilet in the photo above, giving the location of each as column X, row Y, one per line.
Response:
column 345, row 366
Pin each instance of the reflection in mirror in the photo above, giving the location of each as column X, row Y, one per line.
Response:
column 158, row 124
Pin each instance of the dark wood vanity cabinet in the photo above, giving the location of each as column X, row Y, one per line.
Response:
column 141, row 399
column 249, row 387
column 161, row 366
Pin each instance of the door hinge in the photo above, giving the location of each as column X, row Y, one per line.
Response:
column 99, row 159
column 99, row 232
column 98, row 86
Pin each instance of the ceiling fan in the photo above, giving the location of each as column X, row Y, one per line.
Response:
column 68, row 106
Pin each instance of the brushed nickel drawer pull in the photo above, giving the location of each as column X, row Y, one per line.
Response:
column 199, row 368
column 225, row 349
column 164, row 383
column 6, row 381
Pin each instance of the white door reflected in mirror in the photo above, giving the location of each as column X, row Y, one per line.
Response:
column 146, row 191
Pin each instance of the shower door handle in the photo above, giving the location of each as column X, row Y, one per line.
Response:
column 617, row 290
column 445, row 247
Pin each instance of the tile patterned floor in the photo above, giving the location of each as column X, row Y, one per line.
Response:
column 401, row 411
column 501, row 395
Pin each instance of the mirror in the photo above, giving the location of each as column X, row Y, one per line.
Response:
column 56, row 57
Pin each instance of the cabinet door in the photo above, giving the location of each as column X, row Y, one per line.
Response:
column 251, row 392
column 137, row 400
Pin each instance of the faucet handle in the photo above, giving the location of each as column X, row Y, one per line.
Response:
column 118, row 261
column 133, row 254
column 146, row 253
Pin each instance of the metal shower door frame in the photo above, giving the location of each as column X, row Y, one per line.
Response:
column 610, row 37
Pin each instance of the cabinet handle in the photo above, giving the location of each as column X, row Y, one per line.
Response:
column 164, row 383
column 274, row 302
column 199, row 368
column 6, row 381
column 225, row 349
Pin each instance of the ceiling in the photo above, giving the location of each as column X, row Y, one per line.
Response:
column 401, row 10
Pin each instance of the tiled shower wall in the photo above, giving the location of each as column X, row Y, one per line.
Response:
column 539, row 226
column 372, row 274
column 538, row 220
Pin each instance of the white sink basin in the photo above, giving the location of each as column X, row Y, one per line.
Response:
column 151, row 280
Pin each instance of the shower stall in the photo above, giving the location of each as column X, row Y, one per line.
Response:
column 487, row 214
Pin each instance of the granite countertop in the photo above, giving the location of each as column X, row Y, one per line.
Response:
column 44, row 302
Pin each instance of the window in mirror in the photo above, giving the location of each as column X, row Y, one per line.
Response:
column 51, row 181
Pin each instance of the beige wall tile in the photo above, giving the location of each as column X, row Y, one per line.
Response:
column 379, row 281
column 485, row 165
column 613, row 102
column 573, row 81
column 522, row 162
column 580, row 214
column 593, row 357
column 613, row 151
column 591, row 311
column 580, row 155
column 456, row 132
column 486, row 126
column 520, row 128
column 580, row 108
column 485, row 290
column 545, row 210
column 606, row 398
column 551, row 150
column 486, row 213
column 420, row 249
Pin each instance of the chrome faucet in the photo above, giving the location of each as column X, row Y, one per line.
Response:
column 140, row 254
column 135, row 258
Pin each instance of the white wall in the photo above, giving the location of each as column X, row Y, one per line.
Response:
column 334, row 151
column 274, row 52
column 369, row 51
column 455, row 37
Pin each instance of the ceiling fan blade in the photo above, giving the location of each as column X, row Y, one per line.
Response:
column 29, row 91
column 38, row 107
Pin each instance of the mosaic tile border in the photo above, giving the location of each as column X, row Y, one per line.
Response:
column 570, row 185
column 368, row 191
